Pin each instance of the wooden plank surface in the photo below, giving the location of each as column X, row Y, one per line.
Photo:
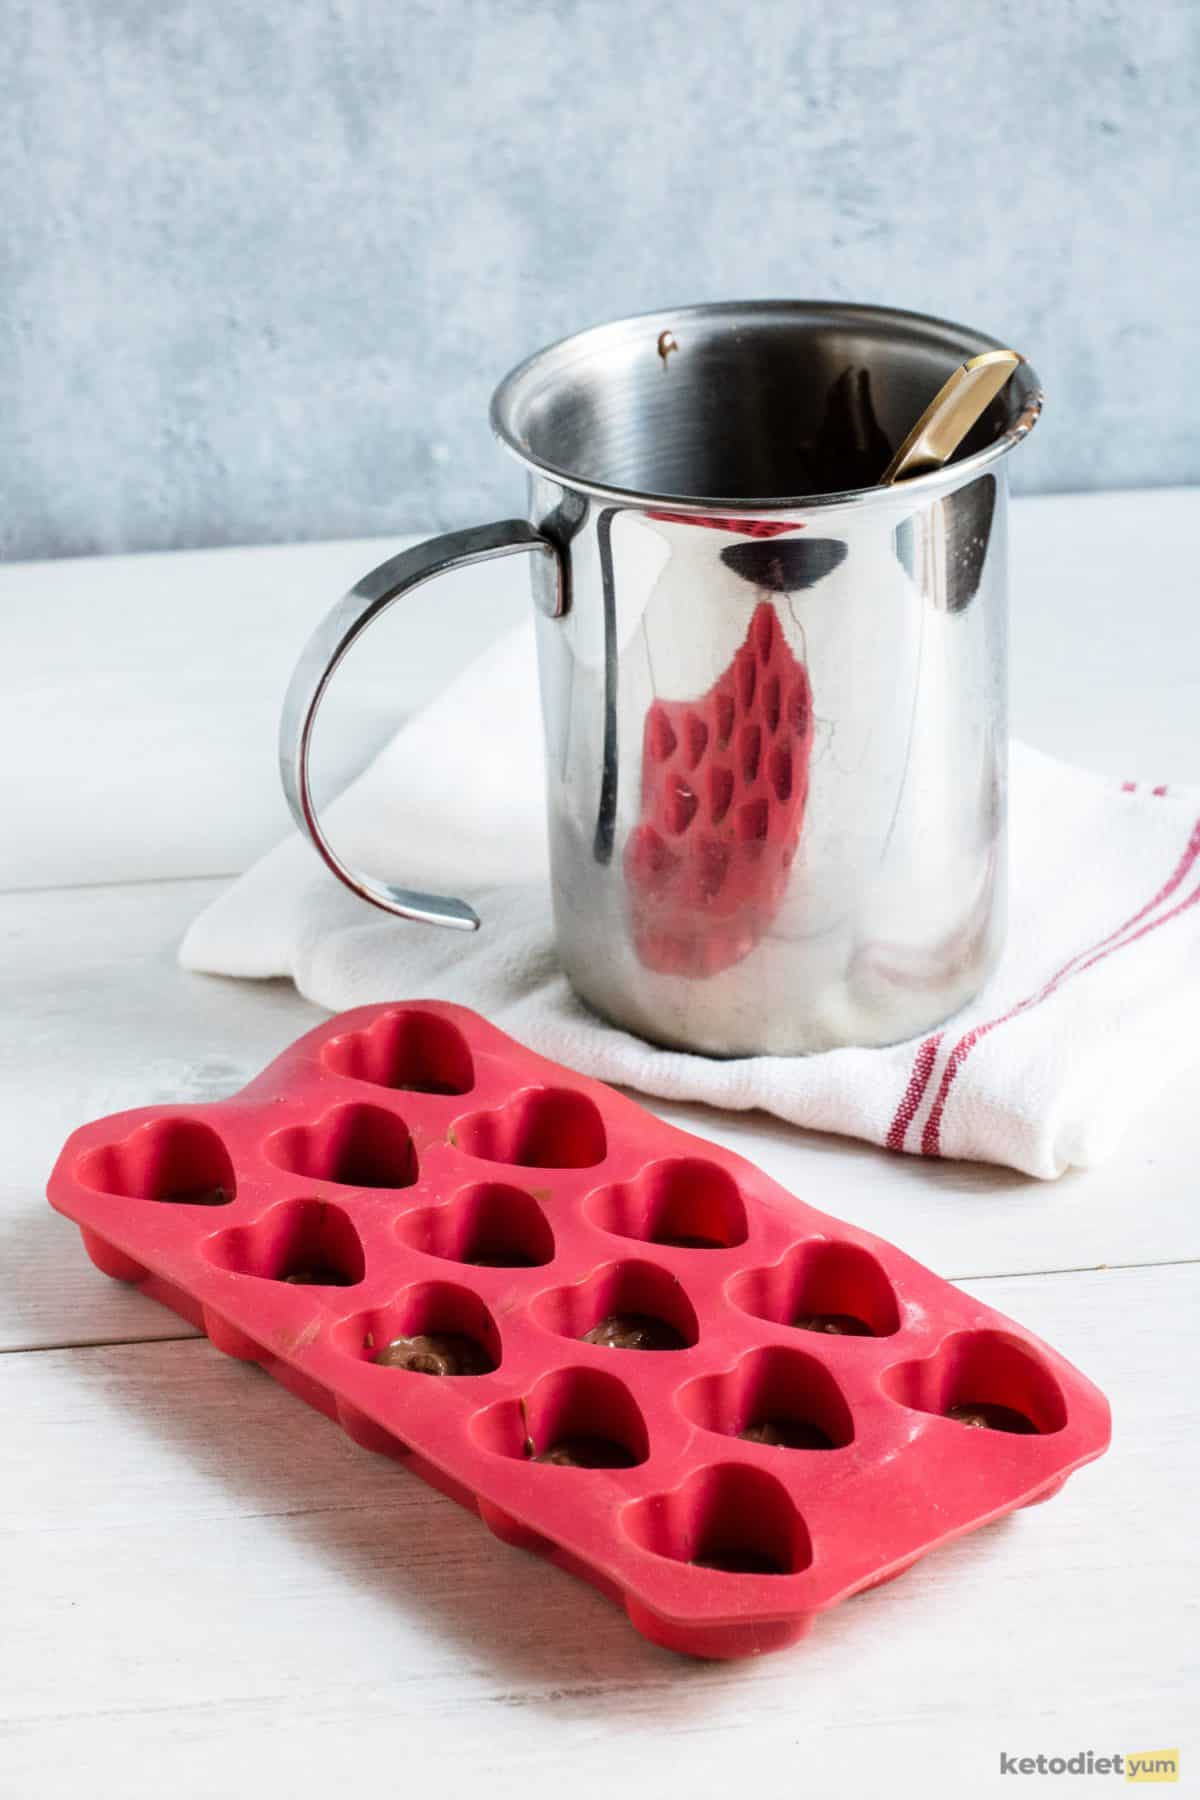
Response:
column 99, row 1018
column 207, row 1589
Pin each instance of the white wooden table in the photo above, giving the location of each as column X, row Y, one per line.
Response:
column 208, row 1590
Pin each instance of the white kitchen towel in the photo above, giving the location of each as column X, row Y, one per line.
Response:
column 1092, row 1010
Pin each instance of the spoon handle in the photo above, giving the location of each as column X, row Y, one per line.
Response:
column 951, row 413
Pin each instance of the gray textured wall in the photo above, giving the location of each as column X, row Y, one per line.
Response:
column 262, row 259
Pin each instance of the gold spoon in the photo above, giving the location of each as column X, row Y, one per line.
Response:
column 951, row 413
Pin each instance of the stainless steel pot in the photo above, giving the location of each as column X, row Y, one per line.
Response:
column 773, row 691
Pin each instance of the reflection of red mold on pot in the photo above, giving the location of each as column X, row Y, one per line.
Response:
column 755, row 528
column 724, row 787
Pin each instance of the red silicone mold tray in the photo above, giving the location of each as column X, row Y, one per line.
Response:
column 724, row 788
column 627, row 1349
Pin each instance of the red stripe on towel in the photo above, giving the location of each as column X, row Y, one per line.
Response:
column 931, row 1144
column 914, row 1093
column 1181, row 906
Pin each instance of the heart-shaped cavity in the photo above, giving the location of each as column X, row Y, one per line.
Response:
column 180, row 1161
column 408, row 1049
column 727, row 1517
column 307, row 1243
column 779, row 769
column 683, row 1201
column 839, row 1290
column 354, row 1146
column 489, row 1224
column 623, row 1306
column 681, row 804
column 695, row 739
column 775, row 1396
column 432, row 1328
column 984, row 1380
column 571, row 1418
column 660, row 736
column 539, row 1128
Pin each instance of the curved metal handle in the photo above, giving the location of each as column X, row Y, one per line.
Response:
column 341, row 628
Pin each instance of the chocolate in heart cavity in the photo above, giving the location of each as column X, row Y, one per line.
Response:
column 634, row 1331
column 200, row 1196
column 832, row 1324
column 584, row 1452
column 435, row 1353
column 983, row 1415
column 787, row 1434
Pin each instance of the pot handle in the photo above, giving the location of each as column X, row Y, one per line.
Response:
column 342, row 627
